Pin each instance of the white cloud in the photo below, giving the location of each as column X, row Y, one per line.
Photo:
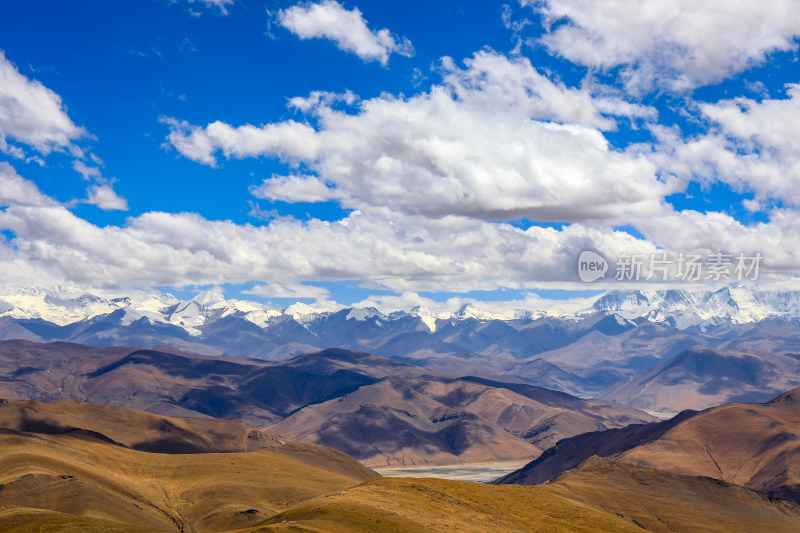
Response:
column 497, row 140
column 85, row 170
column 285, row 139
column 683, row 43
column 288, row 290
column 750, row 145
column 690, row 231
column 295, row 189
column 16, row 190
column 396, row 251
column 104, row 197
column 769, row 123
column 32, row 114
column 401, row 252
column 328, row 19
column 321, row 98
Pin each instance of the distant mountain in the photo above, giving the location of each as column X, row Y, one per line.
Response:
column 702, row 377
column 614, row 310
column 619, row 338
column 753, row 445
column 683, row 308
column 382, row 411
column 434, row 419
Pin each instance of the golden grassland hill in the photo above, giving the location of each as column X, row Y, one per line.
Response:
column 83, row 480
column 414, row 504
column 756, row 446
column 72, row 477
column 599, row 496
column 666, row 502
column 134, row 429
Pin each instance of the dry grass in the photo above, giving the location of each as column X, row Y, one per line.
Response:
column 413, row 504
column 661, row 501
column 91, row 479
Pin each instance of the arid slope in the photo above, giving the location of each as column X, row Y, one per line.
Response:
column 662, row 501
column 350, row 401
column 413, row 505
column 80, row 475
column 753, row 445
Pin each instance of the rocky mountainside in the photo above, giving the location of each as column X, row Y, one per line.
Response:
column 68, row 466
column 624, row 339
column 381, row 411
column 756, row 446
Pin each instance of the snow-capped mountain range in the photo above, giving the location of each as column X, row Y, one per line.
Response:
column 683, row 309
column 679, row 308
column 584, row 347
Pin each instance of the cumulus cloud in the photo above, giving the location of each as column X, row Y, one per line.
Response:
column 284, row 139
column 32, row 114
column 681, row 43
column 16, row 190
column 497, row 140
column 752, row 146
column 347, row 28
column 396, row 251
column 288, row 290
column 295, row 189
column 402, row 252
column 321, row 98
column 104, row 197
column 691, row 231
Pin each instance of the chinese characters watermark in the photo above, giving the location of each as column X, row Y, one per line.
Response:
column 660, row 266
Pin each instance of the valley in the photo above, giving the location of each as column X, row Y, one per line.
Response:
column 447, row 425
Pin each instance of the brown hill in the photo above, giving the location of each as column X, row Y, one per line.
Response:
column 134, row 429
column 600, row 496
column 753, row 445
column 83, row 480
column 703, row 377
column 390, row 424
column 436, row 420
column 456, row 420
column 661, row 501
column 412, row 505
column 71, row 477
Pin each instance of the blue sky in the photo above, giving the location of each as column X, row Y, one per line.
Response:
column 479, row 147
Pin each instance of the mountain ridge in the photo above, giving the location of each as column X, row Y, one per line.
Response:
column 681, row 308
column 754, row 445
column 393, row 409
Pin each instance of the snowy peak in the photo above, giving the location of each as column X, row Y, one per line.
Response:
column 304, row 313
column 679, row 308
column 690, row 308
column 210, row 300
column 58, row 305
column 468, row 311
column 425, row 316
column 365, row 313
